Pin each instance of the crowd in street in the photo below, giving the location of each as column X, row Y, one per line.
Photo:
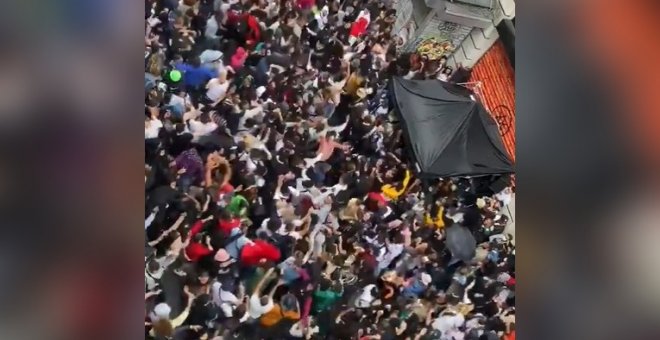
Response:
column 280, row 200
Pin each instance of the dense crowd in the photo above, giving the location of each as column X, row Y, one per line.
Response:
column 279, row 199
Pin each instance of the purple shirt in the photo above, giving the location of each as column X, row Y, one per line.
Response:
column 192, row 162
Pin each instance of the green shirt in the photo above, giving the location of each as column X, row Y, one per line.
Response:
column 324, row 299
column 237, row 205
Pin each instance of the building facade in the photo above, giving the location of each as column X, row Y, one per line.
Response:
column 468, row 27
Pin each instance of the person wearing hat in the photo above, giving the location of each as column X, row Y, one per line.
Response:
column 161, row 323
column 195, row 77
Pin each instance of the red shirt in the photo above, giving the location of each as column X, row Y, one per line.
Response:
column 368, row 260
column 255, row 30
column 195, row 229
column 359, row 27
column 252, row 254
column 196, row 251
column 227, row 226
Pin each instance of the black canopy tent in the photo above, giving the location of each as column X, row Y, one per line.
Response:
column 447, row 132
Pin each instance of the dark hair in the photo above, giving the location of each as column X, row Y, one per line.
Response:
column 325, row 285
column 198, row 238
column 205, row 117
column 153, row 265
column 195, row 61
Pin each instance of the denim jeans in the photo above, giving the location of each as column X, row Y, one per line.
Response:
column 185, row 182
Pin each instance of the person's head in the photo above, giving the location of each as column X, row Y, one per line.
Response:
column 163, row 328
column 241, row 310
column 195, row 61
column 374, row 292
column 205, row 118
column 325, row 285
column 264, row 300
column 346, row 179
column 203, row 277
column 225, row 215
column 273, row 225
column 153, row 266
column 199, row 238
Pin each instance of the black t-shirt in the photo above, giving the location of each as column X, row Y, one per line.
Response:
column 363, row 185
column 160, row 196
column 348, row 326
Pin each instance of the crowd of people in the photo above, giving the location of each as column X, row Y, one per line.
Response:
column 280, row 202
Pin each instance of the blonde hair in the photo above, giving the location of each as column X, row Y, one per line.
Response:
column 155, row 67
column 163, row 328
column 351, row 211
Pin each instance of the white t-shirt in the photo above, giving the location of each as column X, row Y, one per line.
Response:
column 211, row 28
column 256, row 309
column 297, row 330
column 224, row 299
column 216, row 90
column 176, row 100
column 393, row 250
column 151, row 279
column 198, row 128
column 365, row 299
column 151, row 131
column 448, row 325
column 251, row 113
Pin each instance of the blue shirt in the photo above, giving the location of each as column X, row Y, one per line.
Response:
column 415, row 289
column 195, row 76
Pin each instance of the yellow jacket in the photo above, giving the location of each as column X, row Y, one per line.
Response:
column 437, row 221
column 391, row 192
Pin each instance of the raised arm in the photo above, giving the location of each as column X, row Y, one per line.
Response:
column 168, row 231
column 260, row 284
column 272, row 291
column 176, row 322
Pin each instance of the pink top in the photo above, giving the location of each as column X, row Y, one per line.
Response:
column 326, row 148
column 238, row 58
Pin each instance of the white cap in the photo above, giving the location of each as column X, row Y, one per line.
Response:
column 162, row 310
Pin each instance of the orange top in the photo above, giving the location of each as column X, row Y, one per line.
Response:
column 273, row 316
